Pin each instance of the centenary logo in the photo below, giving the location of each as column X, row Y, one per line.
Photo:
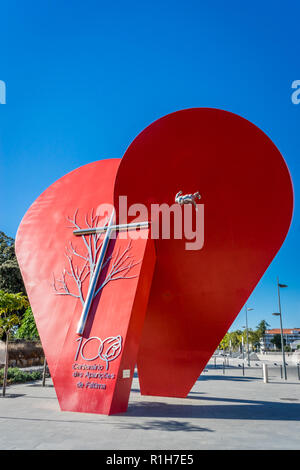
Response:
column 107, row 349
column 2, row 92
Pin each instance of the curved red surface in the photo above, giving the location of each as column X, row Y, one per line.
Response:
column 248, row 202
column 93, row 372
column 41, row 243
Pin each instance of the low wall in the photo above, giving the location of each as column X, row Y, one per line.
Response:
column 22, row 353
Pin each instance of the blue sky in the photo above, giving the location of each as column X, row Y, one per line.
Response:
column 84, row 78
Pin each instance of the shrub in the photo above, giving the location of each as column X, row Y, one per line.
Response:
column 15, row 375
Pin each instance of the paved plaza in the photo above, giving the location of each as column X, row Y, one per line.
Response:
column 223, row 411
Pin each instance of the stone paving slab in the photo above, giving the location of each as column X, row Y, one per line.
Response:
column 223, row 411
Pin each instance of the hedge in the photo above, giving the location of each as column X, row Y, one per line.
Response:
column 15, row 375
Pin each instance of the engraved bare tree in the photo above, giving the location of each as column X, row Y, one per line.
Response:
column 81, row 264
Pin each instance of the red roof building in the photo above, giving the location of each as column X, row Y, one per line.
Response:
column 289, row 334
column 286, row 331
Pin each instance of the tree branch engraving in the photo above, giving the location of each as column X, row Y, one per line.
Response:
column 80, row 264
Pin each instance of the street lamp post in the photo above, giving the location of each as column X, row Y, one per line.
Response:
column 279, row 314
column 247, row 336
column 243, row 352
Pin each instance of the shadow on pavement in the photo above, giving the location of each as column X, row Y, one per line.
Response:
column 242, row 378
column 13, row 395
column 230, row 409
column 40, row 385
column 166, row 425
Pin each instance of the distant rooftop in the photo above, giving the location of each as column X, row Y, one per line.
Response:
column 286, row 331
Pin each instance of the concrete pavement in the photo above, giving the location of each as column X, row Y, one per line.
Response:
column 223, row 411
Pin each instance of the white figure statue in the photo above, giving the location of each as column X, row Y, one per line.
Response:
column 187, row 198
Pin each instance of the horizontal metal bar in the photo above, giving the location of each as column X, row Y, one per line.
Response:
column 90, row 231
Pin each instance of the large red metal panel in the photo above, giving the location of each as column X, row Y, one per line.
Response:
column 43, row 240
column 92, row 378
column 247, row 195
column 93, row 372
column 195, row 295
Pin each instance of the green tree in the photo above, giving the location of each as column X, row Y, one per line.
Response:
column 10, row 305
column 224, row 344
column 235, row 339
column 262, row 327
column 10, row 274
column 27, row 329
column 254, row 338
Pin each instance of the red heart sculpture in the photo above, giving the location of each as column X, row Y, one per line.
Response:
column 247, row 195
column 92, row 371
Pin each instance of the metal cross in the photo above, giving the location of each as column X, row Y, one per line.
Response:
column 108, row 230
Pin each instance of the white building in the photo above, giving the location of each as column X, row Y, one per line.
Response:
column 294, row 345
column 289, row 334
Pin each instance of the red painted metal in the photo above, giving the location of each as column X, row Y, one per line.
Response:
column 41, row 242
column 45, row 247
column 120, row 314
column 194, row 296
column 248, row 203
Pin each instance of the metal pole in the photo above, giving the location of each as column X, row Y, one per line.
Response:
column 132, row 226
column 243, row 347
column 265, row 373
column 248, row 356
column 5, row 366
column 281, row 331
column 44, row 372
column 94, row 280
